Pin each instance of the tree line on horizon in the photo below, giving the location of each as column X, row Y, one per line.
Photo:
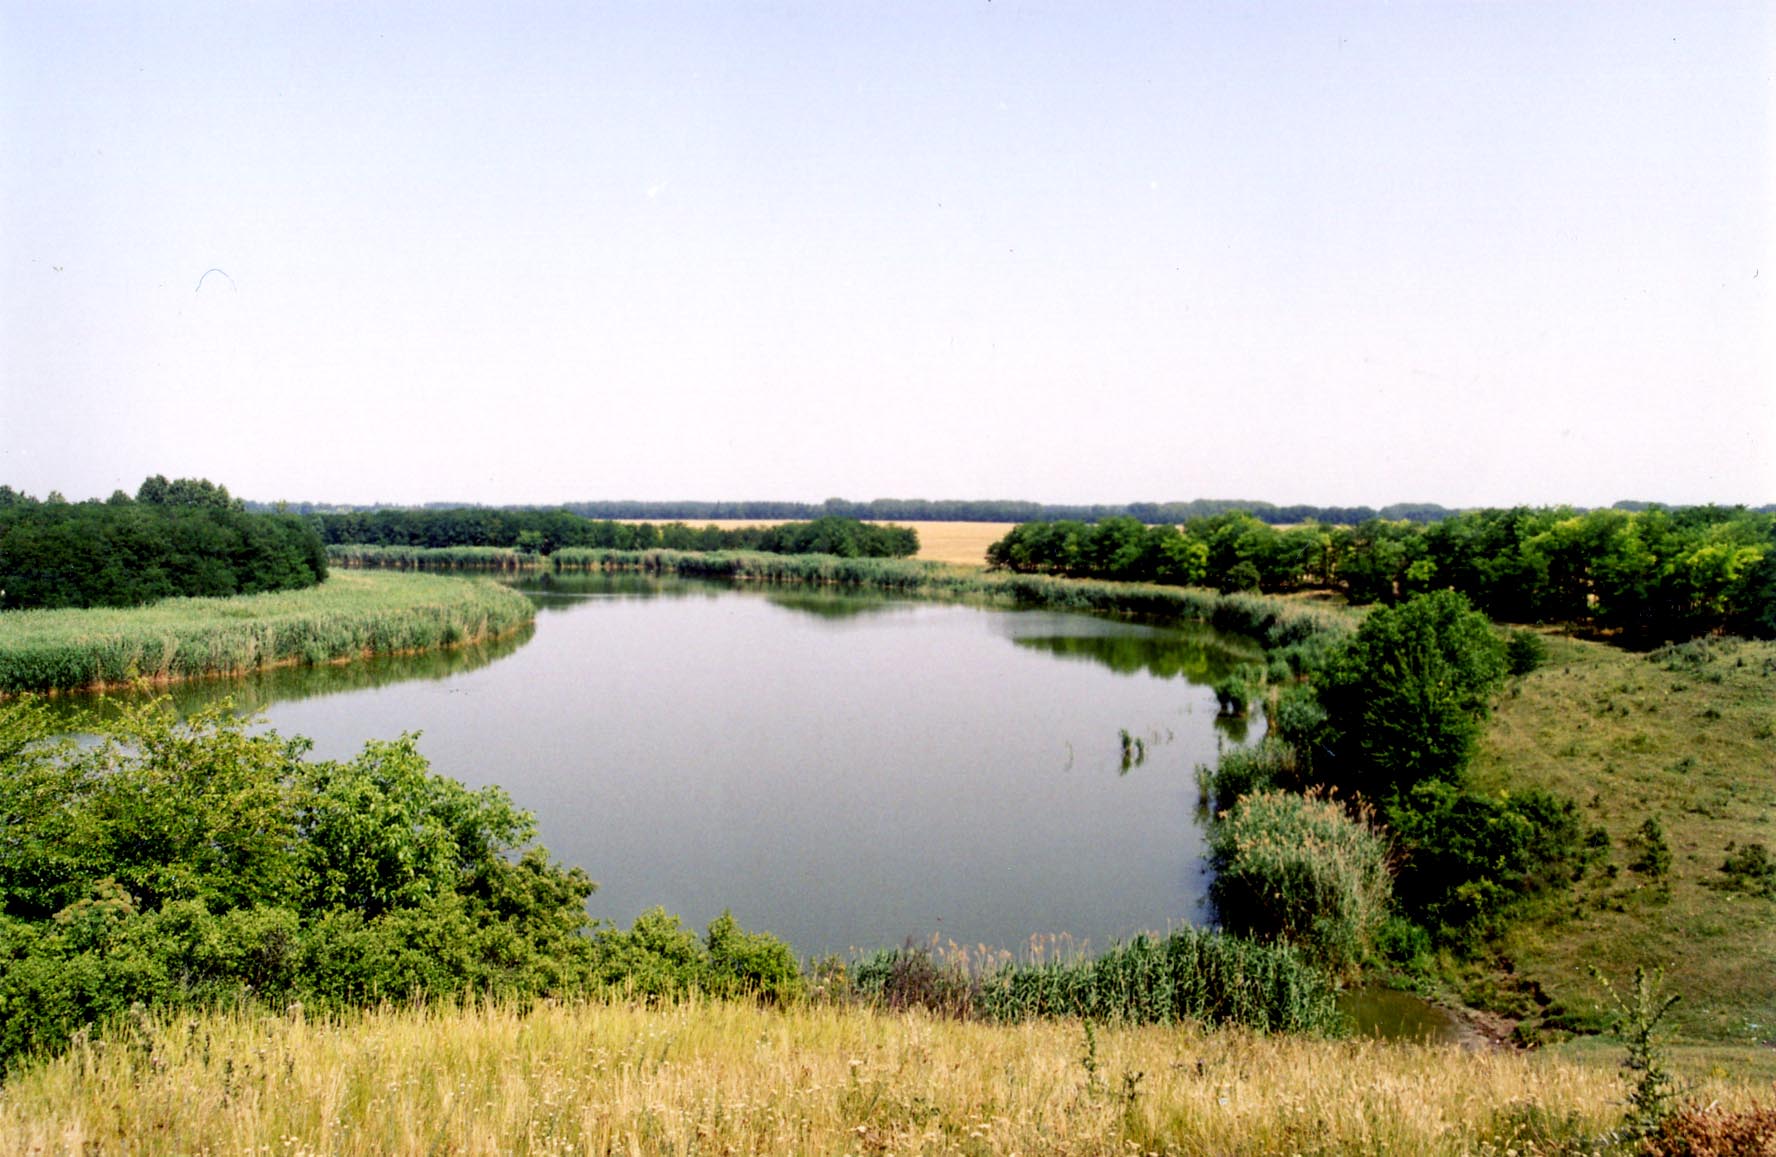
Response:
column 546, row 531
column 941, row 510
column 1653, row 574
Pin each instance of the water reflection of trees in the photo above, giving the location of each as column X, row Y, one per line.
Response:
column 834, row 605
column 561, row 592
column 1197, row 658
column 256, row 691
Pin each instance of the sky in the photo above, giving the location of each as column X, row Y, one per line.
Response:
column 1343, row 253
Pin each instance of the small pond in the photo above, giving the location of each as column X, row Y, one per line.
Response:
column 847, row 771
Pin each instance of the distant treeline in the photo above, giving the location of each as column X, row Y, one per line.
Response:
column 923, row 510
column 546, row 531
column 1653, row 573
column 180, row 538
column 949, row 510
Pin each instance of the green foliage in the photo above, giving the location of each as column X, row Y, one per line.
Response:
column 1652, row 855
column 1241, row 576
column 1750, row 868
column 201, row 863
column 1300, row 871
column 1468, row 859
column 434, row 557
column 545, row 532
column 187, row 538
column 1524, row 652
column 1269, row 764
column 1653, row 1091
column 1232, row 693
column 1406, row 698
column 1190, row 975
column 1651, row 573
column 659, row 957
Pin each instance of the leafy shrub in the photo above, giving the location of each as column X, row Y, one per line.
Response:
column 1242, row 771
column 1524, row 652
column 199, row 863
column 1652, row 855
column 1301, row 871
column 659, row 957
column 1242, row 576
column 1232, row 693
column 1467, row 858
column 1752, row 869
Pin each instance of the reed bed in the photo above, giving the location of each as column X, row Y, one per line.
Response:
column 733, row 1077
column 502, row 558
column 1192, row 974
column 350, row 616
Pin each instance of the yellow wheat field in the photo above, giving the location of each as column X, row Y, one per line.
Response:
column 961, row 543
column 735, row 1078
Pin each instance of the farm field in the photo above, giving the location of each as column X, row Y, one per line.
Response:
column 959, row 543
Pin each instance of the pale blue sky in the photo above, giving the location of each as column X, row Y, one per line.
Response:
column 1341, row 253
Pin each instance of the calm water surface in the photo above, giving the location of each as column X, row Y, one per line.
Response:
column 844, row 771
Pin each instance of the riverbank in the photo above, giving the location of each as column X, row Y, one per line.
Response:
column 734, row 1077
column 352, row 615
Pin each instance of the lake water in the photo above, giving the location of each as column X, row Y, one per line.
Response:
column 845, row 771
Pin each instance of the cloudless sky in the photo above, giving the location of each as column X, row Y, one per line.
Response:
column 1476, row 254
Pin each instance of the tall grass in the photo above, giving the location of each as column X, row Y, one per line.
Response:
column 440, row 557
column 1192, row 974
column 1293, row 869
column 350, row 616
column 701, row 1077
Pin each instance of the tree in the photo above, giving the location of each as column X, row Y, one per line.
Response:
column 1406, row 697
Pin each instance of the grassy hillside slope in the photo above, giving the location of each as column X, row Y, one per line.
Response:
column 1686, row 736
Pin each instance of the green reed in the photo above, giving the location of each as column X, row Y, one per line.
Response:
column 349, row 616
column 438, row 557
column 1192, row 974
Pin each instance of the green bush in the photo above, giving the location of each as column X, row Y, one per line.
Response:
column 1652, row 855
column 1752, row 869
column 658, row 956
column 1466, row 859
column 1241, row 771
column 1524, row 652
column 200, row 863
column 1301, row 871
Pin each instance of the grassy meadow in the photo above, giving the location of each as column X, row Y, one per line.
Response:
column 1686, row 736
column 351, row 615
column 697, row 1077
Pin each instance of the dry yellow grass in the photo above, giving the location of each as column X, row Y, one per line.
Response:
column 961, row 543
column 735, row 1078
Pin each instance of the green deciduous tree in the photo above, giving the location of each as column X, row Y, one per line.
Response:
column 1406, row 698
